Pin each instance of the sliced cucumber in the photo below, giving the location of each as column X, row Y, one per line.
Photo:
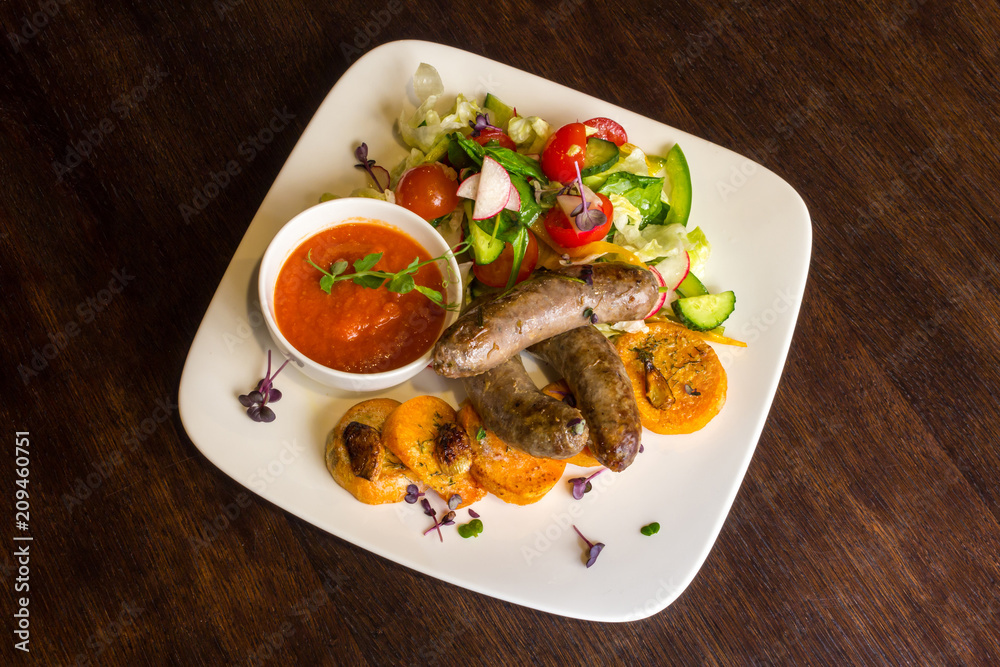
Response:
column 438, row 150
column 679, row 176
column 600, row 155
column 485, row 247
column 705, row 312
column 691, row 286
column 500, row 113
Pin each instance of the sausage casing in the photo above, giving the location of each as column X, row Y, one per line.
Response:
column 547, row 304
column 603, row 391
column 510, row 405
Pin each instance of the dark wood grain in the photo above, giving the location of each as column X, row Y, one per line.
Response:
column 866, row 530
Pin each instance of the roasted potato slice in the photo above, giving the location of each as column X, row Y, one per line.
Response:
column 359, row 462
column 560, row 390
column 507, row 472
column 418, row 433
column 678, row 380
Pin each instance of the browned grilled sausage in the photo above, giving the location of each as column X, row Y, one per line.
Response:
column 543, row 306
column 519, row 414
column 599, row 382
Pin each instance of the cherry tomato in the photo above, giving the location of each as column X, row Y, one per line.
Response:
column 562, row 230
column 608, row 130
column 496, row 273
column 563, row 150
column 428, row 191
column 495, row 134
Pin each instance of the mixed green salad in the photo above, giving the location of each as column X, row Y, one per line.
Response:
column 522, row 194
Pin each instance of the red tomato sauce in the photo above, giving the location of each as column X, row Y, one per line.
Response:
column 357, row 329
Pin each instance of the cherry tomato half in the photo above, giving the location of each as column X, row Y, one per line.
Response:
column 428, row 191
column 563, row 150
column 562, row 230
column 608, row 130
column 496, row 273
column 495, row 134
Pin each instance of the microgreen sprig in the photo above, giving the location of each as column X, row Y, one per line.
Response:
column 413, row 494
column 448, row 519
column 256, row 401
column 595, row 549
column 584, row 217
column 378, row 174
column 471, row 529
column 650, row 529
column 365, row 275
column 481, row 123
column 582, row 485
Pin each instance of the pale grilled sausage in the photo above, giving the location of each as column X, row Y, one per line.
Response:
column 547, row 304
column 602, row 389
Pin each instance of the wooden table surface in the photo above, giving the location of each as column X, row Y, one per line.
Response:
column 866, row 529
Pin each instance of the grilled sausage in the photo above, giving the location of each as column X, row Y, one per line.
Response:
column 511, row 406
column 598, row 379
column 543, row 306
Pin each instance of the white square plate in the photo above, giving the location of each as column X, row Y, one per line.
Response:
column 761, row 236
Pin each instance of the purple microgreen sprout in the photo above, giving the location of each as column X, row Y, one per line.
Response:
column 378, row 174
column 481, row 123
column 446, row 520
column 582, row 485
column 587, row 274
column 576, row 426
column 428, row 510
column 595, row 549
column 473, row 513
column 642, row 448
column 256, row 401
column 412, row 494
column 454, row 501
column 589, row 314
column 586, row 218
column 691, row 391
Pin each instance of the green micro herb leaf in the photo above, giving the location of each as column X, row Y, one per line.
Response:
column 471, row 529
column 365, row 275
column 480, row 434
column 650, row 529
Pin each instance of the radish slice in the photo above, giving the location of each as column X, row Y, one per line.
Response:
column 514, row 203
column 674, row 269
column 494, row 190
column 661, row 298
column 468, row 187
